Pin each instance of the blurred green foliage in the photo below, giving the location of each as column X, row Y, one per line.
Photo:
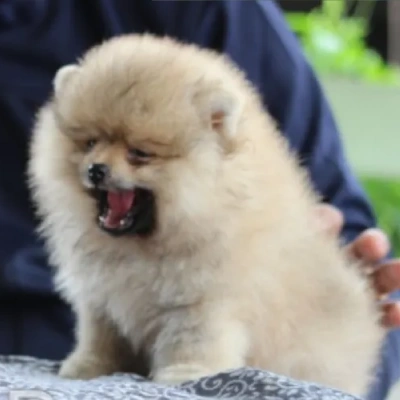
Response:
column 334, row 41
column 384, row 194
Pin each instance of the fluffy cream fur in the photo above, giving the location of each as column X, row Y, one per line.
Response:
column 237, row 272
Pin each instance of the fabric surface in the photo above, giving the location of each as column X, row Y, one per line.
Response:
column 23, row 378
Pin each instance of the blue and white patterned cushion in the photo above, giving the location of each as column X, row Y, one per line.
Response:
column 25, row 378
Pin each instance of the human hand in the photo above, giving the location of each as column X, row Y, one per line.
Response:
column 371, row 246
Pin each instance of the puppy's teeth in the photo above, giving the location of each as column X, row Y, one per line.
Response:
column 102, row 219
column 122, row 223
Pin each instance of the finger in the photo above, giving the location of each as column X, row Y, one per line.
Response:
column 386, row 278
column 391, row 315
column 330, row 218
column 371, row 246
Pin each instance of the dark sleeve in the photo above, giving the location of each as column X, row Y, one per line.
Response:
column 23, row 263
column 255, row 35
column 296, row 99
column 294, row 96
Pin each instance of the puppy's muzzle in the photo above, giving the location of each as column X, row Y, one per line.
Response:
column 98, row 174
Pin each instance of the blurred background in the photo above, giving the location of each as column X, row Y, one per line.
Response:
column 354, row 46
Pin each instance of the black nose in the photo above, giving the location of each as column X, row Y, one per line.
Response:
column 97, row 173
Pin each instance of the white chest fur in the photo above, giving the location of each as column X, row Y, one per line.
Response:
column 133, row 291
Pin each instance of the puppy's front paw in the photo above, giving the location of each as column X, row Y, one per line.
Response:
column 180, row 373
column 78, row 366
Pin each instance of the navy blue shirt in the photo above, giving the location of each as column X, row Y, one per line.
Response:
column 39, row 36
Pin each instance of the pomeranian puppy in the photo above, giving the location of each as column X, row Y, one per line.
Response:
column 182, row 228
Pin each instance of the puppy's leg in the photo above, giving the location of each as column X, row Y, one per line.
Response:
column 190, row 347
column 99, row 350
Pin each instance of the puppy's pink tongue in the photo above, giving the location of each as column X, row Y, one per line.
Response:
column 119, row 204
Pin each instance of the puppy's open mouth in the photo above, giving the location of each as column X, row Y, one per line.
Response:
column 116, row 209
column 126, row 211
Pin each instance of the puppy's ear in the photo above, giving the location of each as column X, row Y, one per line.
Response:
column 220, row 110
column 63, row 75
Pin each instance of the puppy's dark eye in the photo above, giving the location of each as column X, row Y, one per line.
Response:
column 139, row 153
column 90, row 144
column 137, row 156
